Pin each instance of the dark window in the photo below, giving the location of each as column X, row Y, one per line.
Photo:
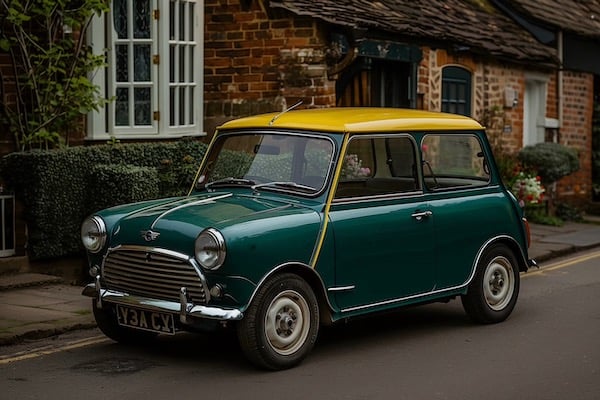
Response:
column 371, row 82
column 378, row 166
column 453, row 161
column 456, row 91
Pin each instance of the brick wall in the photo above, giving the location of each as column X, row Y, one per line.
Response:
column 257, row 62
column 576, row 132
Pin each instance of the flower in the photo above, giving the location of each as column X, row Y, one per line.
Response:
column 352, row 167
column 528, row 189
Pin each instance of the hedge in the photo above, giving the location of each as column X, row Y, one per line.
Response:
column 59, row 188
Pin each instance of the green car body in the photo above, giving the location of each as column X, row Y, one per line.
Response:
column 308, row 217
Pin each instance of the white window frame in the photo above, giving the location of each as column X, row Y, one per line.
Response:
column 101, row 124
column 534, row 109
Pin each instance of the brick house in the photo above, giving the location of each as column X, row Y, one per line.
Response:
column 524, row 68
column 527, row 69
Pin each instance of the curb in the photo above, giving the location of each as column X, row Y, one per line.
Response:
column 41, row 333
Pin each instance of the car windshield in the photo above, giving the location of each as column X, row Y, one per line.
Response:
column 269, row 161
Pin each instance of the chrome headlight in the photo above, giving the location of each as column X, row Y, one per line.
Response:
column 93, row 234
column 210, row 249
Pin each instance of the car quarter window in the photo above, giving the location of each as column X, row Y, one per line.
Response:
column 375, row 166
column 453, row 161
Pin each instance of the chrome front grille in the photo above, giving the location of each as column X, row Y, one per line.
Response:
column 152, row 273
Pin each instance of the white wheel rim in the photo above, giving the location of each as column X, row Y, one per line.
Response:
column 287, row 322
column 498, row 283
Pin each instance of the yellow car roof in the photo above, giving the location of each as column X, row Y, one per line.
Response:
column 356, row 120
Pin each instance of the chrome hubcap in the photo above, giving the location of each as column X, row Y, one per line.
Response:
column 287, row 322
column 498, row 283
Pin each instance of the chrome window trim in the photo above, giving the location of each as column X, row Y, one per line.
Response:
column 390, row 196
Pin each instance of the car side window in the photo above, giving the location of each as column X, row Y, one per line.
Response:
column 376, row 166
column 453, row 161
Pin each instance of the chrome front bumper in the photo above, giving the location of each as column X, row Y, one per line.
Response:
column 183, row 308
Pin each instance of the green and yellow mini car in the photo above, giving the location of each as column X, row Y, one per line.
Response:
column 308, row 217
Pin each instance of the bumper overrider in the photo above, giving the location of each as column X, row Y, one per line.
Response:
column 184, row 308
column 155, row 280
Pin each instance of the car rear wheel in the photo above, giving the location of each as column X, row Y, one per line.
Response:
column 281, row 325
column 493, row 293
column 106, row 319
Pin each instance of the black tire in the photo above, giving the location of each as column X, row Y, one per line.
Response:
column 106, row 319
column 281, row 325
column 492, row 294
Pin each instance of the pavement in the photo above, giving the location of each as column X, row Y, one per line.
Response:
column 36, row 305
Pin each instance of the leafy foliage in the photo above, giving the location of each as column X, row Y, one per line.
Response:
column 552, row 161
column 120, row 184
column 52, row 66
column 60, row 187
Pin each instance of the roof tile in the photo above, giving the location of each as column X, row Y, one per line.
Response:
column 467, row 23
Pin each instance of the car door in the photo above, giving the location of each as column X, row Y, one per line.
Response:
column 468, row 208
column 382, row 229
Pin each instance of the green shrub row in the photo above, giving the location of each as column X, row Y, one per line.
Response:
column 59, row 188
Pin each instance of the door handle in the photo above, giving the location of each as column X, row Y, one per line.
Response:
column 419, row 215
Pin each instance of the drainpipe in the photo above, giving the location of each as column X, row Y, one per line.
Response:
column 559, row 84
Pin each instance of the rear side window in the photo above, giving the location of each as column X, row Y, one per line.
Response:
column 375, row 166
column 453, row 161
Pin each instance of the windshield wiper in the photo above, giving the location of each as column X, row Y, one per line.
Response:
column 285, row 184
column 231, row 181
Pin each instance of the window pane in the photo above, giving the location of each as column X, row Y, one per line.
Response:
column 192, row 15
column 456, row 87
column 122, row 107
column 122, row 64
column 172, row 97
column 191, row 62
column 452, row 161
column 120, row 18
column 182, row 63
column 172, row 20
column 397, row 172
column 181, row 21
column 191, row 106
column 141, row 27
column 182, row 106
column 141, row 63
column 172, row 50
column 142, row 104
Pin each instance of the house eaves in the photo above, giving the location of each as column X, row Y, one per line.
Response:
column 473, row 26
column 580, row 17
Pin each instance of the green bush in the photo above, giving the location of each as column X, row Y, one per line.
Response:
column 119, row 184
column 58, row 191
column 552, row 161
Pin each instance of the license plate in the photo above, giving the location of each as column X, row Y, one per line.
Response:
column 146, row 320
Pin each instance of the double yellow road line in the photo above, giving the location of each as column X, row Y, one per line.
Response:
column 47, row 350
column 562, row 264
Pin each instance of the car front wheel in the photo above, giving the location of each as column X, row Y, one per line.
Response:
column 493, row 293
column 281, row 325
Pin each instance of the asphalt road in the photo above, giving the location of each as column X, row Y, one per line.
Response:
column 548, row 349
